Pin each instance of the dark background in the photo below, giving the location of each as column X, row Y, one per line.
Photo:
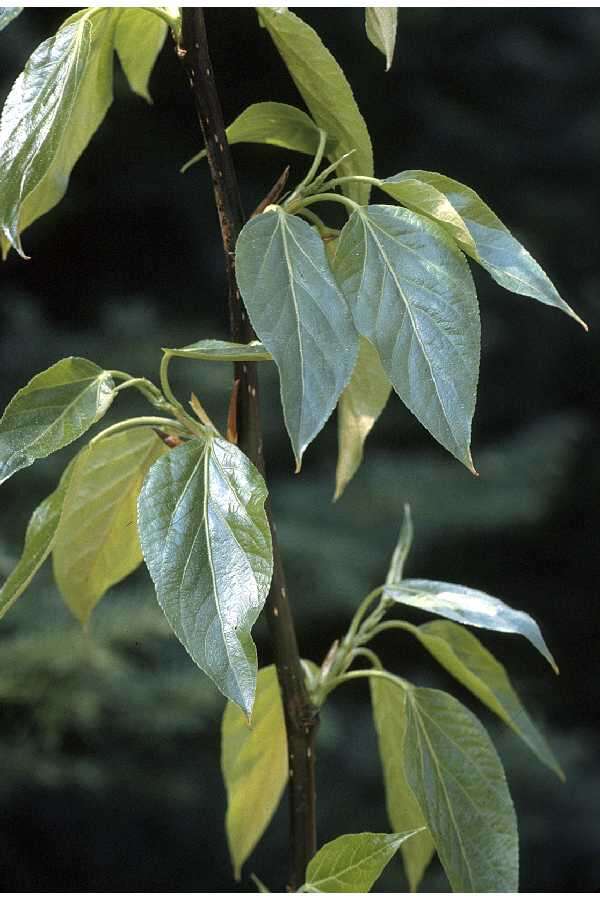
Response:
column 109, row 741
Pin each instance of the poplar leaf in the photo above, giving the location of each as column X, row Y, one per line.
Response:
column 254, row 763
column 222, row 351
column 326, row 92
column 402, row 549
column 139, row 37
column 426, row 199
column 97, row 543
column 411, row 294
column 54, row 409
column 207, row 544
column 380, row 25
column 301, row 317
column 457, row 778
column 8, row 13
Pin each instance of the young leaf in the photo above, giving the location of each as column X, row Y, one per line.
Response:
column 255, row 767
column 39, row 539
column 326, row 92
column 459, row 783
column 467, row 659
column 352, row 862
column 222, row 351
column 97, row 543
column 359, row 407
column 54, row 409
column 139, row 37
column 402, row 549
column 52, row 111
column 7, row 14
column 507, row 261
column 301, row 317
column 389, row 714
column 412, row 295
column 468, row 607
column 380, row 25
column 207, row 544
column 278, row 124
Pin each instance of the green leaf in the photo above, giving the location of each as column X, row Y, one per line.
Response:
column 301, row 317
column 326, row 92
column 459, row 651
column 468, row 607
column 54, row 409
column 352, row 862
column 97, row 543
column 207, row 544
column 359, row 407
column 278, row 124
column 459, row 783
column 52, row 111
column 389, row 715
column 380, row 24
column 412, row 295
column 402, row 549
column 255, row 767
column 39, row 539
column 222, row 351
column 507, row 261
column 8, row 13
column 139, row 37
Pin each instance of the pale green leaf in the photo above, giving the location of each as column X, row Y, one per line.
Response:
column 352, row 863
column 380, row 24
column 425, row 198
column 54, row 409
column 359, row 407
column 468, row 607
column 52, row 111
column 278, row 124
column 207, row 544
column 222, row 351
column 97, row 543
column 469, row 662
column 411, row 294
column 389, row 714
column 300, row 316
column 8, row 13
column 255, row 767
column 39, row 539
column 402, row 549
column 139, row 37
column 326, row 92
column 459, row 783
column 507, row 261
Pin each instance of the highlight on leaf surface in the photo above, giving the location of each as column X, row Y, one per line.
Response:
column 7, row 14
column 222, row 351
column 380, row 25
column 139, row 37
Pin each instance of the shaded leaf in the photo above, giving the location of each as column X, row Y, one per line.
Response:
column 412, row 295
column 468, row 607
column 139, row 37
column 97, row 543
column 54, row 409
column 459, row 783
column 8, row 13
column 301, row 317
column 255, row 767
column 389, row 715
column 207, row 544
column 222, row 351
column 380, row 25
column 326, row 92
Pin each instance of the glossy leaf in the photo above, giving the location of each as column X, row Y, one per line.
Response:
column 459, row 783
column 207, row 544
column 54, row 409
column 412, row 295
column 254, row 765
column 52, row 111
column 39, row 539
column 402, row 549
column 351, row 863
column 301, row 317
column 459, row 651
column 425, row 198
column 223, row 351
column 139, row 37
column 380, row 24
column 326, row 92
column 359, row 407
column 278, row 124
column 507, row 261
column 97, row 543
column 8, row 13
column 468, row 607
column 389, row 714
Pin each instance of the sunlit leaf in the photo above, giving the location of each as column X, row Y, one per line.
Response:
column 139, row 37
column 223, row 351
column 380, row 24
column 8, row 13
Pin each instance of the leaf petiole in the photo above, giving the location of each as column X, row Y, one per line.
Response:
column 314, row 168
column 139, row 422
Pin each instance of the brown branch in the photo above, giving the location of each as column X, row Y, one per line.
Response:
column 300, row 715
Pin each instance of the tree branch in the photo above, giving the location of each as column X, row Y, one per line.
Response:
column 300, row 715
